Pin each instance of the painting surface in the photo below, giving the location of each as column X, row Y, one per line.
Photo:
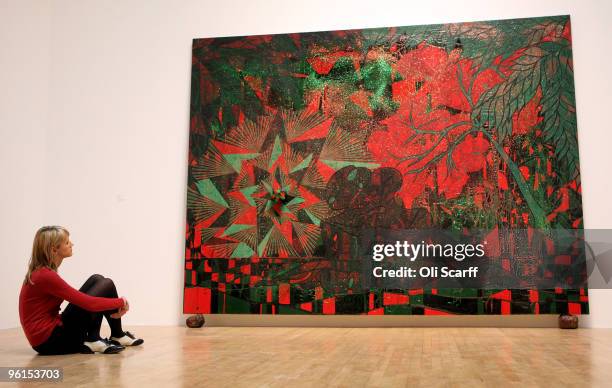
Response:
column 298, row 142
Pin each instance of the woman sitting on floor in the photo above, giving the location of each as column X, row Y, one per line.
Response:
column 77, row 328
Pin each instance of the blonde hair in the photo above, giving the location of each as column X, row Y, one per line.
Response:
column 46, row 238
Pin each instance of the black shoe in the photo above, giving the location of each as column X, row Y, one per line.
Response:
column 101, row 346
column 128, row 339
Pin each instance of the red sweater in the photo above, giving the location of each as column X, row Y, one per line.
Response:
column 39, row 304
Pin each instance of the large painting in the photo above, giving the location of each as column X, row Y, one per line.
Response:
column 300, row 141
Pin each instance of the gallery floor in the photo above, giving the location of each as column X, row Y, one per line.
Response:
column 339, row 357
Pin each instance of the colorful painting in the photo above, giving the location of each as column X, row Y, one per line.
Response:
column 300, row 141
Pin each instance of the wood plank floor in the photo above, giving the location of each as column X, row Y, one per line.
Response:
column 337, row 357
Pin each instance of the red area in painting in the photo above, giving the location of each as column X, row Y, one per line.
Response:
column 505, row 307
column 574, row 308
column 427, row 108
column 393, row 299
column 197, row 300
column 563, row 260
column 306, row 306
column 284, row 293
column 329, row 306
column 526, row 119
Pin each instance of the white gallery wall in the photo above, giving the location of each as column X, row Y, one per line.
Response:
column 94, row 108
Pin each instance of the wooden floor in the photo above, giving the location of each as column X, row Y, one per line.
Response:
column 338, row 357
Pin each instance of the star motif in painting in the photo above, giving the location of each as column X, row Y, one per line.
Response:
column 261, row 189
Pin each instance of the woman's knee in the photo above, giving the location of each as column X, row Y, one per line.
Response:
column 95, row 278
column 105, row 282
column 108, row 285
column 91, row 282
column 98, row 285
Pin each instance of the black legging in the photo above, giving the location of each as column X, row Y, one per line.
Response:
column 74, row 316
column 79, row 325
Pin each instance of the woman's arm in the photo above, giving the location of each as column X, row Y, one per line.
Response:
column 50, row 282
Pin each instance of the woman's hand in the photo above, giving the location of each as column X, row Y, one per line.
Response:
column 122, row 311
